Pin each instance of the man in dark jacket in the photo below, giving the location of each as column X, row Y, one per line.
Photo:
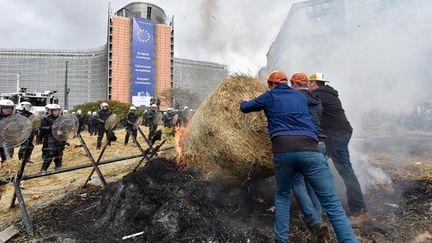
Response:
column 294, row 146
column 158, row 103
column 54, row 148
column 303, row 192
column 338, row 130
column 131, row 118
column 102, row 116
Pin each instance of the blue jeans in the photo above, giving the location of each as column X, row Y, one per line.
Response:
column 306, row 198
column 316, row 171
column 337, row 148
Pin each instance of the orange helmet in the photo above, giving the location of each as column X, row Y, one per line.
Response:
column 278, row 77
column 299, row 78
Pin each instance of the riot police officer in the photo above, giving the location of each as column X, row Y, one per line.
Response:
column 92, row 123
column 6, row 109
column 80, row 121
column 25, row 108
column 184, row 116
column 151, row 119
column 131, row 118
column 87, row 121
column 102, row 116
column 170, row 118
column 53, row 147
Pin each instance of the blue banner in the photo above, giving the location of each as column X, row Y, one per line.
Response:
column 142, row 61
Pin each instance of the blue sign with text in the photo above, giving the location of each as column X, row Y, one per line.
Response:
column 142, row 61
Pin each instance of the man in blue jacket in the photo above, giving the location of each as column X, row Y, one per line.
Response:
column 294, row 146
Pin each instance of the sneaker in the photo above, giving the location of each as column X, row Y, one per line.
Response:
column 359, row 218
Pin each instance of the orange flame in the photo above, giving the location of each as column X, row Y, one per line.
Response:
column 180, row 135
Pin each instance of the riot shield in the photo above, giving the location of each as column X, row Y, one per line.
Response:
column 36, row 122
column 174, row 120
column 111, row 122
column 138, row 122
column 159, row 118
column 65, row 127
column 145, row 121
column 14, row 130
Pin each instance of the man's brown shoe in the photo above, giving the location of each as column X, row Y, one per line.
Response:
column 359, row 218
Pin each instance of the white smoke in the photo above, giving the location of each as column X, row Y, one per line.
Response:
column 380, row 63
column 235, row 33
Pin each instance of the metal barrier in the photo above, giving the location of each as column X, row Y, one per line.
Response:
column 145, row 155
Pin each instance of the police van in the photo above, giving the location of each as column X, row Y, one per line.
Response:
column 38, row 99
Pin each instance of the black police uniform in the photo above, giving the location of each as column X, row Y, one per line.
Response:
column 28, row 143
column 101, row 118
column 131, row 118
column 52, row 147
column 151, row 121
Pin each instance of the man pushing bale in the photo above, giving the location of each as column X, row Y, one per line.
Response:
column 234, row 147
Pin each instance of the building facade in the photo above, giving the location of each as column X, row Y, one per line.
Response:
column 198, row 77
column 140, row 67
column 42, row 70
column 314, row 29
column 136, row 63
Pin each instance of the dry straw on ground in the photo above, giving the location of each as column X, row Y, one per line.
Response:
column 225, row 143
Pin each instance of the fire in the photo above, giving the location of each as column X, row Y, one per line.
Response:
column 180, row 135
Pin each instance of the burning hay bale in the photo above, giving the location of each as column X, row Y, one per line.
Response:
column 225, row 143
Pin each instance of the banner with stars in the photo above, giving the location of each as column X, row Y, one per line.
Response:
column 143, row 82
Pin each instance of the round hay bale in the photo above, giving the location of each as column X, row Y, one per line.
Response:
column 225, row 143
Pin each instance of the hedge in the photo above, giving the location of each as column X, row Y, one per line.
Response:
column 116, row 107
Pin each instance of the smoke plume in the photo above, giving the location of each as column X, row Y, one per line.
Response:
column 377, row 58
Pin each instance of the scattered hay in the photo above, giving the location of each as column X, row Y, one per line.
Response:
column 225, row 143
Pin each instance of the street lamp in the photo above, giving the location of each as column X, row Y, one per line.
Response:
column 67, row 90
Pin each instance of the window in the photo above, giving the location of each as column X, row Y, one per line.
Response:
column 309, row 9
column 317, row 7
column 326, row 5
column 149, row 10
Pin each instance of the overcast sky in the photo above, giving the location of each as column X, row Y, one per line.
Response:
column 237, row 32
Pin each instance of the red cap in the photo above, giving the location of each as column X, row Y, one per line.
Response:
column 299, row 78
column 278, row 77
